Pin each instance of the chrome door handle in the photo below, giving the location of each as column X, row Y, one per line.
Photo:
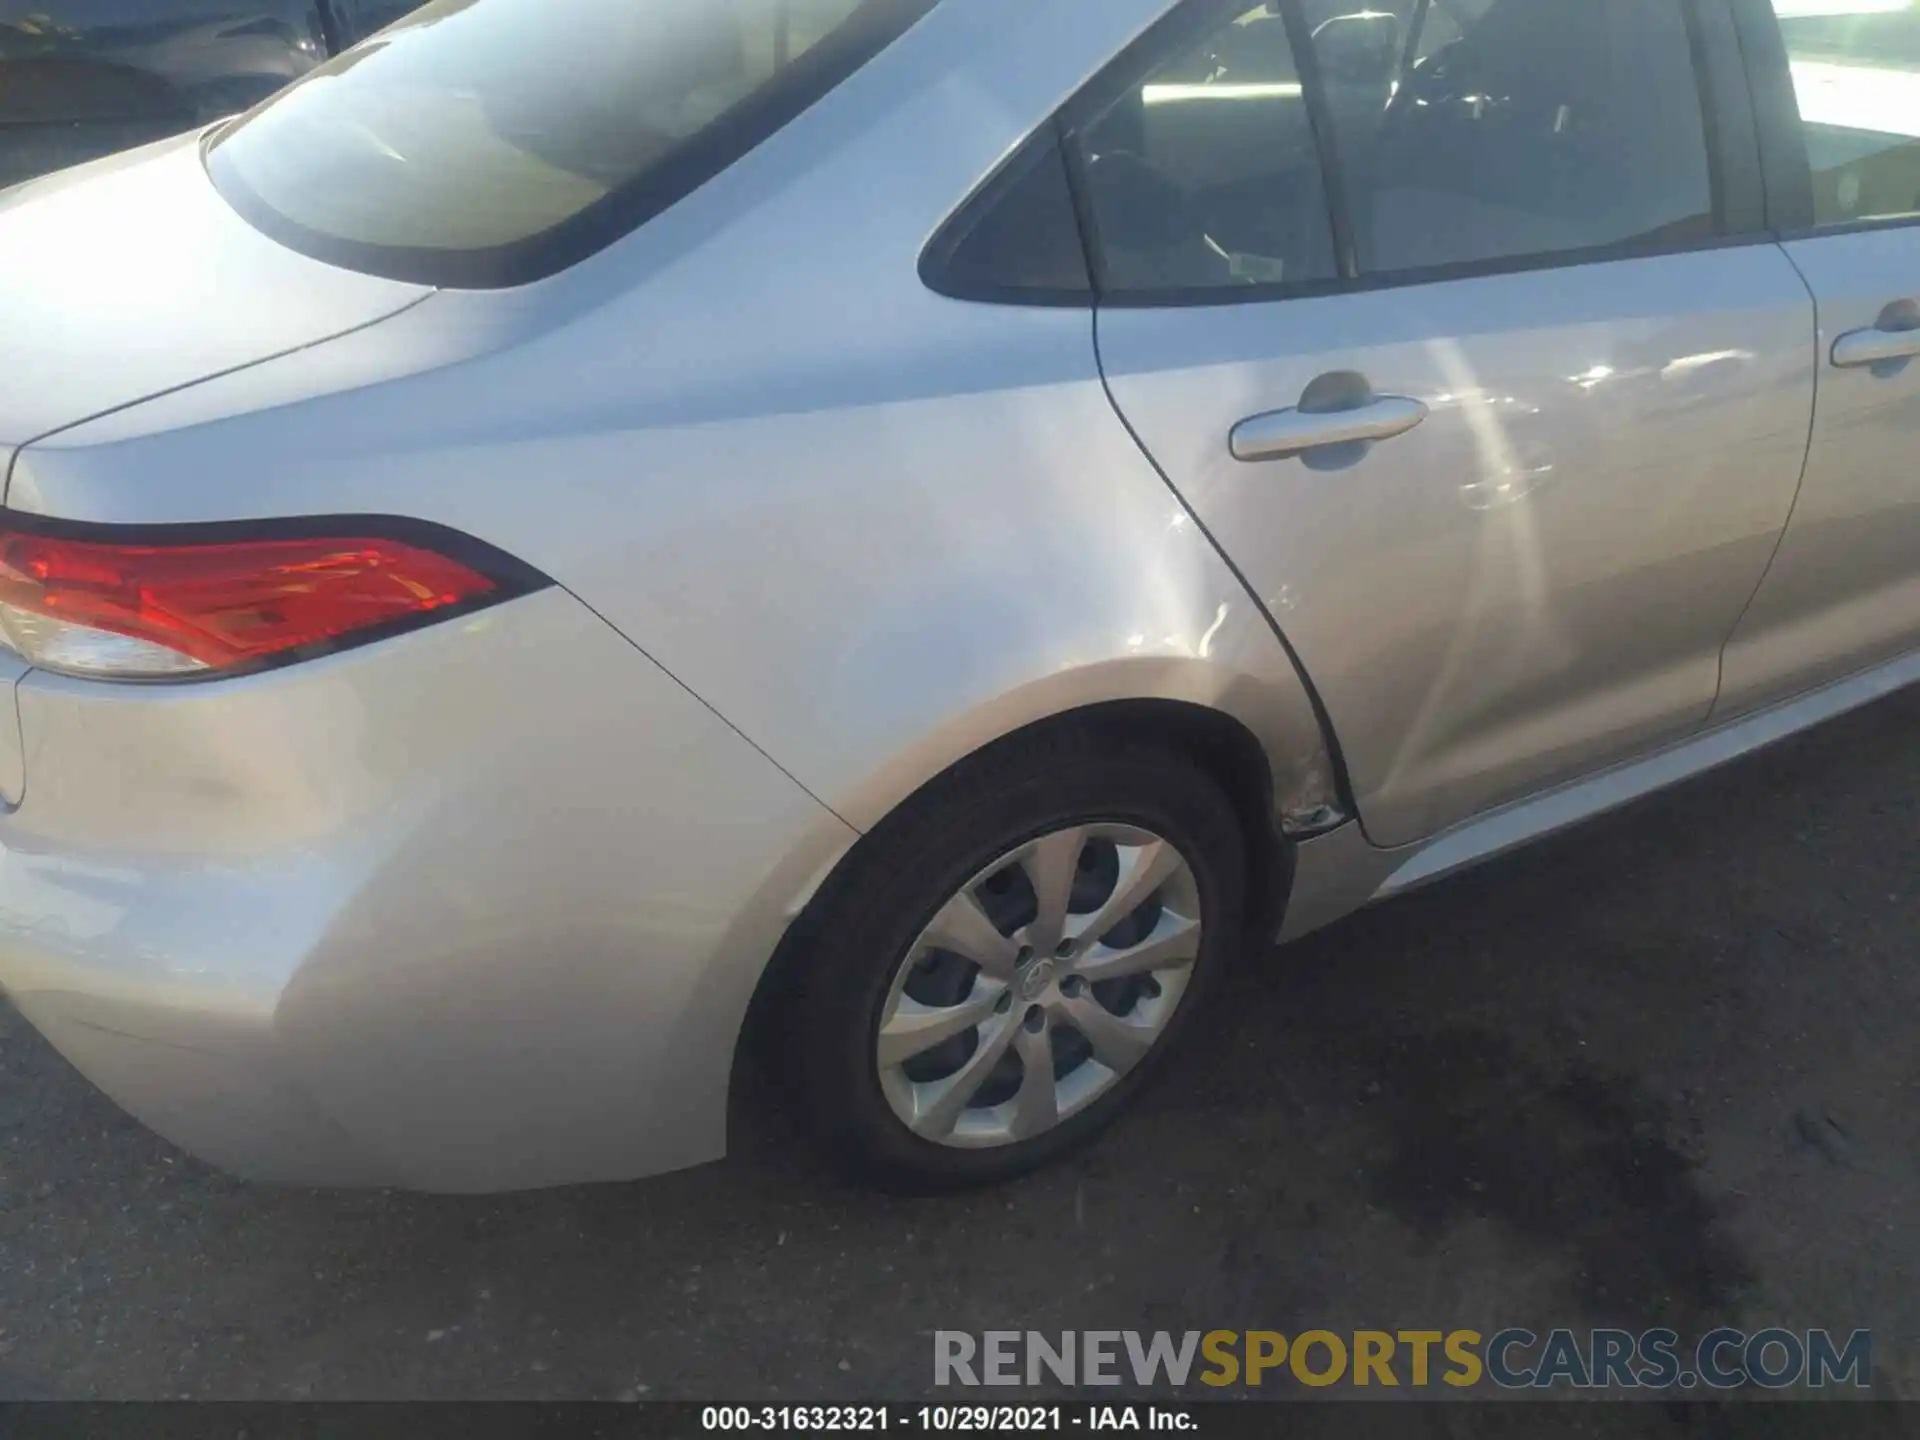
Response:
column 1861, row 348
column 1281, row 434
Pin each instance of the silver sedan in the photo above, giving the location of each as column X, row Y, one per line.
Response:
column 925, row 524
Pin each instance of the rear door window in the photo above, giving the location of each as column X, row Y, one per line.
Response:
column 490, row 142
column 1520, row 129
column 1856, row 71
column 1203, row 173
column 1303, row 143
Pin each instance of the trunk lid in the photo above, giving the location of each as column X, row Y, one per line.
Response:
column 131, row 277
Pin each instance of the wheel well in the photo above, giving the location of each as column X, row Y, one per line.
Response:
column 1217, row 742
column 1228, row 752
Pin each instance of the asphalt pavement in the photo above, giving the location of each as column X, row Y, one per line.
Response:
column 1660, row 1070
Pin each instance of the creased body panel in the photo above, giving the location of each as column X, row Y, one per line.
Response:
column 1536, row 580
column 873, row 527
column 479, row 908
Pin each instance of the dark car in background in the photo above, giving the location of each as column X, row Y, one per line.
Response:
column 82, row 78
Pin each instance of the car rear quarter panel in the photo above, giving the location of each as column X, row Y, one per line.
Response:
column 873, row 527
column 476, row 909
column 130, row 277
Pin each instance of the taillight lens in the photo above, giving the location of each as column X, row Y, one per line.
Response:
column 87, row 603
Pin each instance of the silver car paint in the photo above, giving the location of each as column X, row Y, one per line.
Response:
column 1844, row 592
column 936, row 534
column 121, row 281
column 476, row 909
column 483, row 907
column 13, row 760
column 870, row 565
column 1537, row 579
column 1339, row 872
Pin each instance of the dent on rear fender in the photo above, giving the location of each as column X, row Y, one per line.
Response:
column 1270, row 703
column 493, row 896
column 874, row 528
column 993, row 559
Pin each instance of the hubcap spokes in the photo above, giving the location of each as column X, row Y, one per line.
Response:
column 1037, row 987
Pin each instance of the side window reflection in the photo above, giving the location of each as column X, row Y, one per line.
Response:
column 1517, row 128
column 1206, row 176
column 1856, row 70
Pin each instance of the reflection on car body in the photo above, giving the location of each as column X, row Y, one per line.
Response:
column 924, row 523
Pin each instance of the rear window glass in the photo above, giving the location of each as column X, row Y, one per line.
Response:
column 490, row 142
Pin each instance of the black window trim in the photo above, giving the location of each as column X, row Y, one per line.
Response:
column 807, row 82
column 1045, row 146
column 1326, row 139
column 1786, row 169
column 1726, row 119
column 1152, row 48
column 333, row 30
column 1733, row 130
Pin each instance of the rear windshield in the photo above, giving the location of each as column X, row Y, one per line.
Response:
column 483, row 143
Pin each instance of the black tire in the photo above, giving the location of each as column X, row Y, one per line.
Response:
column 923, row 854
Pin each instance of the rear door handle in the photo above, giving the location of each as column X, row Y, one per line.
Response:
column 1282, row 434
column 1862, row 348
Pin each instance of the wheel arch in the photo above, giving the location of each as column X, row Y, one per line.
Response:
column 1257, row 693
column 1256, row 775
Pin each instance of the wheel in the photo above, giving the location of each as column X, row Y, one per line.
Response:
column 1011, row 956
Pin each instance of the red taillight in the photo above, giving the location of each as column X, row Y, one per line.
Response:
column 95, row 606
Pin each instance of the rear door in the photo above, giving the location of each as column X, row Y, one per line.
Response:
column 1840, row 86
column 1468, row 347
